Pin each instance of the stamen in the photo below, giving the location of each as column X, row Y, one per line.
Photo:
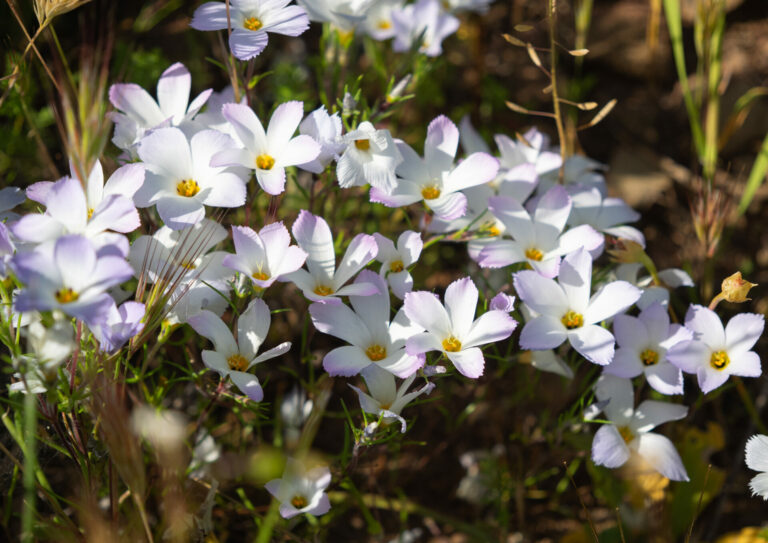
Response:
column 626, row 434
column 572, row 320
column 252, row 23
column 384, row 25
column 396, row 266
column 299, row 501
column 237, row 362
column 66, row 295
column 376, row 352
column 187, row 187
column 719, row 360
column 649, row 357
column 532, row 253
column 265, row 162
column 90, row 213
column 323, row 290
column 451, row 344
column 430, row 192
column 260, row 275
column 363, row 145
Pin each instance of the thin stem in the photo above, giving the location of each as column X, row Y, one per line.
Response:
column 30, row 466
column 552, row 15
column 268, row 524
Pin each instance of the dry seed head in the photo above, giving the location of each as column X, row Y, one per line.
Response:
column 735, row 289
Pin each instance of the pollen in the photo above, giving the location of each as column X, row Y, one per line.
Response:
column 376, row 352
column 265, row 162
column 237, row 362
column 494, row 231
column 719, row 360
column 649, row 357
column 363, row 145
column 252, row 23
column 384, row 25
column 451, row 344
column 299, row 501
column 396, row 266
column 90, row 213
column 430, row 192
column 66, row 295
column 260, row 276
column 187, row 187
column 188, row 265
column 323, row 290
column 626, row 433
column 532, row 253
column 572, row 320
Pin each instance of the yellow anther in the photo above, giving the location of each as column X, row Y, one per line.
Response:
column 376, row 352
column 363, row 144
column 572, row 320
column 719, row 360
column 451, row 345
column 299, row 501
column 66, row 295
column 396, row 266
column 384, row 25
column 323, row 290
column 260, row 276
column 90, row 213
column 532, row 253
column 649, row 357
column 626, row 433
column 265, row 162
column 252, row 23
column 237, row 362
column 187, row 187
column 430, row 192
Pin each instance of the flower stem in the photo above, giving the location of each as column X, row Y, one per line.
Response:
column 268, row 524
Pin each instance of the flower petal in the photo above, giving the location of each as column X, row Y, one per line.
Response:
column 593, row 342
column 469, row 362
column 608, row 447
column 660, row 453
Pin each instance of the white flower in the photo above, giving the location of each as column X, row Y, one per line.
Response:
column 395, row 260
column 371, row 157
column 325, row 130
column 301, row 491
column 757, row 459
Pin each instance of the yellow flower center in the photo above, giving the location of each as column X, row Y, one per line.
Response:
column 363, row 144
column 572, row 320
column 237, row 362
column 90, row 213
column 323, row 290
column 494, row 230
column 626, row 433
column 649, row 357
column 451, row 345
column 719, row 360
column 260, row 275
column 187, row 187
column 376, row 352
column 299, row 501
column 384, row 24
column 265, row 162
column 252, row 23
column 188, row 265
column 66, row 295
column 396, row 266
column 532, row 253
column 430, row 192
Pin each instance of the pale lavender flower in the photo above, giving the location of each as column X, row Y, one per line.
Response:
column 372, row 338
column 326, row 131
column 370, row 157
column 607, row 215
column 7, row 248
column 180, row 180
column 643, row 343
column 251, row 21
column 452, row 329
column 344, row 15
column 68, row 275
column 378, row 22
column 424, row 19
column 139, row 112
column 565, row 310
column 385, row 399
column 538, row 240
column 671, row 278
column 122, row 324
column 10, row 197
column 270, row 152
column 395, row 260
column 756, row 456
column 301, row 491
column 265, row 256
column 715, row 353
column 323, row 281
column 434, row 179
column 630, row 430
column 233, row 358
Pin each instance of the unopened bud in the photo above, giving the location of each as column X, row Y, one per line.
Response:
column 399, row 88
column 735, row 289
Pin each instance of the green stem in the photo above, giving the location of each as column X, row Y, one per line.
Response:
column 756, row 177
column 712, row 120
column 552, row 14
column 30, row 466
column 268, row 524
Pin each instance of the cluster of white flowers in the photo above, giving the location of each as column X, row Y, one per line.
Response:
column 516, row 216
